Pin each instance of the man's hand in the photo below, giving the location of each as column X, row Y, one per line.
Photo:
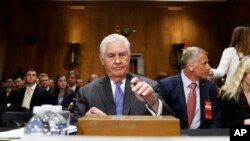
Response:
column 142, row 89
column 93, row 111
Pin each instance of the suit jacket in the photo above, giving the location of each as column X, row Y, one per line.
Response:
column 99, row 94
column 77, row 88
column 172, row 92
column 39, row 97
column 233, row 113
column 3, row 99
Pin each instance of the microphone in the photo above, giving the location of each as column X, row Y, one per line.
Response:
column 130, row 77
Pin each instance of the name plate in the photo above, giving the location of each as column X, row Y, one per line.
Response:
column 128, row 126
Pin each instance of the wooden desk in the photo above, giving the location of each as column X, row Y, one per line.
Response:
column 129, row 126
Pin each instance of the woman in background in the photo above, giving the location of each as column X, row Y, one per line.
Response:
column 62, row 94
column 239, row 47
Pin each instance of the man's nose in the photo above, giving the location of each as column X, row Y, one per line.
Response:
column 117, row 59
column 208, row 66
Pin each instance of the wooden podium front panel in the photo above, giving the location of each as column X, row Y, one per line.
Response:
column 129, row 126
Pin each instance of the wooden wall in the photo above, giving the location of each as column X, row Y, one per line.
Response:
column 35, row 34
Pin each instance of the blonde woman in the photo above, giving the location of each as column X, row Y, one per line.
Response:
column 235, row 96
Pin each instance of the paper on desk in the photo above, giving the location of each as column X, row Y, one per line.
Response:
column 72, row 129
column 18, row 133
column 15, row 133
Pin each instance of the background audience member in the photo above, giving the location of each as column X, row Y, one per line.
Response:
column 235, row 96
column 79, row 82
column 161, row 75
column 8, row 90
column 71, row 79
column 44, row 80
column 51, row 83
column 239, row 47
column 45, row 83
column 92, row 77
column 119, row 92
column 19, row 81
column 191, row 96
column 31, row 95
column 62, row 95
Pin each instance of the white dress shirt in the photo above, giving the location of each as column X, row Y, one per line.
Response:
column 197, row 116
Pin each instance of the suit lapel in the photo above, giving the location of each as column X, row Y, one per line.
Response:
column 181, row 95
column 34, row 97
column 129, row 97
column 106, row 95
column 22, row 93
column 203, row 97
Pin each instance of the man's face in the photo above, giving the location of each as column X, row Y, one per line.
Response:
column 44, row 82
column 62, row 82
column 9, row 82
column 116, row 60
column 80, row 82
column 19, row 82
column 201, row 67
column 31, row 77
column 71, row 80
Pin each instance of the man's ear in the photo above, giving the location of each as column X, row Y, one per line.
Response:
column 190, row 67
column 101, row 59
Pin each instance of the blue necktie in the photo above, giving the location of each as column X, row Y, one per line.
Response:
column 118, row 98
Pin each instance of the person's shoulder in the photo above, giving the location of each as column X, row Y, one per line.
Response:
column 71, row 92
column 20, row 90
column 207, row 83
column 94, row 83
column 170, row 78
column 229, row 49
column 41, row 89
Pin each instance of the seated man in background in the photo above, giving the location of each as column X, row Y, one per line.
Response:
column 119, row 92
column 192, row 97
column 31, row 95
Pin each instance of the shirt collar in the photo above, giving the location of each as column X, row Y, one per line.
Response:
column 33, row 87
column 186, row 81
column 113, row 82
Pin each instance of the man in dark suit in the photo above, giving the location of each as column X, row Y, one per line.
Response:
column 175, row 91
column 31, row 95
column 100, row 97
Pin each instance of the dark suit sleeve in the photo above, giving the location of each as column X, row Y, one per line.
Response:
column 16, row 98
column 68, row 98
column 80, row 107
column 3, row 101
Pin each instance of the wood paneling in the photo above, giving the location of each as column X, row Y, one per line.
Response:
column 38, row 33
